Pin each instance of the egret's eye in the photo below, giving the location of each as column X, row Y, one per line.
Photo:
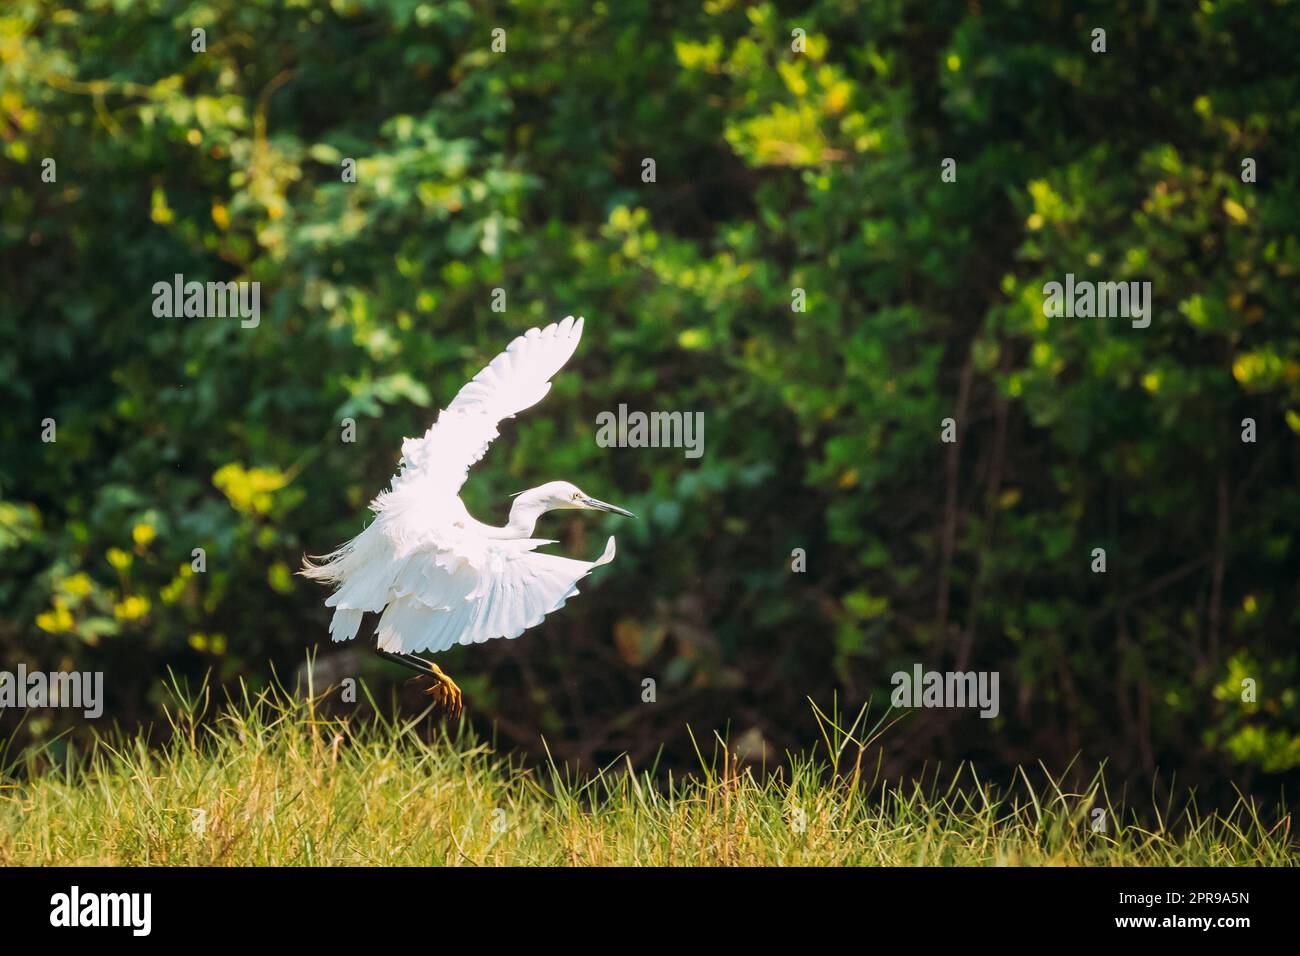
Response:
column 577, row 495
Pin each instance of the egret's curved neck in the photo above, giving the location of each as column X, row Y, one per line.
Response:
column 528, row 507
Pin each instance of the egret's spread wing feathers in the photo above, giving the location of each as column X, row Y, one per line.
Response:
column 515, row 380
column 514, row 592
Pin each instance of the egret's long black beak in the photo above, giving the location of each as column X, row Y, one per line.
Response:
column 605, row 506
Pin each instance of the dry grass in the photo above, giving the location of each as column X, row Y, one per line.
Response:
column 270, row 782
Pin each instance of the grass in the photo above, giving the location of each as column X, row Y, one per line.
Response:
column 271, row 782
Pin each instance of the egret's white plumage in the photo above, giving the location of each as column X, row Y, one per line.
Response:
column 439, row 576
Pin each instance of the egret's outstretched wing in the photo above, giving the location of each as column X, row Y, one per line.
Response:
column 516, row 379
column 436, row 608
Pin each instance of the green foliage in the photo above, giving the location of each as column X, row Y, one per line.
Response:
column 776, row 170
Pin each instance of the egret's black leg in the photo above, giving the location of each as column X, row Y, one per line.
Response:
column 407, row 660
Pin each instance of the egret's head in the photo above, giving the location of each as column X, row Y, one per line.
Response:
column 556, row 495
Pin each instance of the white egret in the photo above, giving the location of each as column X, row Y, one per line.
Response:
column 439, row 576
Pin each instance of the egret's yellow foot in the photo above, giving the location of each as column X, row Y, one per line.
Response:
column 446, row 695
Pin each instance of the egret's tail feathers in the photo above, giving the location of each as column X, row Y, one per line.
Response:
column 361, row 572
column 327, row 568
